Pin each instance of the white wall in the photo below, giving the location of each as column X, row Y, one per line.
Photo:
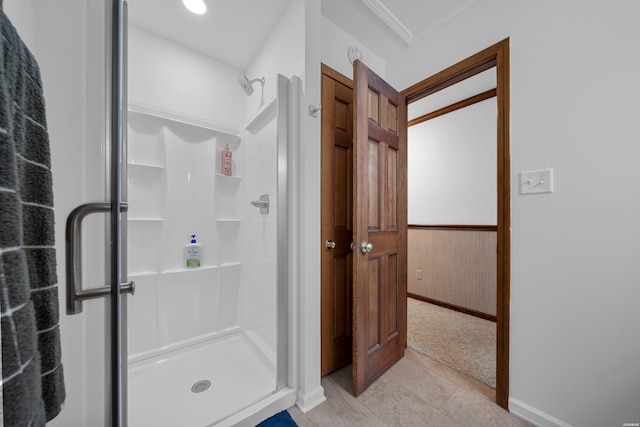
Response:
column 170, row 76
column 574, row 259
column 22, row 14
column 452, row 167
column 335, row 44
column 281, row 53
column 306, row 192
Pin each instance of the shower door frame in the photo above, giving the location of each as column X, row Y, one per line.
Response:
column 118, row 181
column 115, row 206
column 282, row 230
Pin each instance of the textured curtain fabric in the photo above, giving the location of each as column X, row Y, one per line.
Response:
column 33, row 387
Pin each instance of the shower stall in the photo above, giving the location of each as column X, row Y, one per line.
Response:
column 202, row 345
column 207, row 337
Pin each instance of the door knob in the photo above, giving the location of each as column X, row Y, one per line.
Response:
column 366, row 247
column 330, row 244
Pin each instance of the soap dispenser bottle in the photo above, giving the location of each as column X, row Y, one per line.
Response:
column 192, row 253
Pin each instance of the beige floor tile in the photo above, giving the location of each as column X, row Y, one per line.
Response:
column 397, row 406
column 468, row 408
column 451, row 374
column 417, row 391
column 426, row 384
column 301, row 419
column 341, row 409
column 343, row 377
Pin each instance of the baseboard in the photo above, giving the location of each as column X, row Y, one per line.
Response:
column 309, row 401
column 454, row 307
column 533, row 415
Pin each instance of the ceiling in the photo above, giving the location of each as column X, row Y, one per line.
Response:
column 233, row 30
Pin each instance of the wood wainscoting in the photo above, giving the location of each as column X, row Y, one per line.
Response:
column 457, row 264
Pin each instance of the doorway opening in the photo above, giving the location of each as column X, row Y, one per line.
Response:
column 495, row 56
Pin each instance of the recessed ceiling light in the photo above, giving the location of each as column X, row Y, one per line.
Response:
column 198, row 7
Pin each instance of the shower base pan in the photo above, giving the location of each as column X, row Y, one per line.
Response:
column 198, row 385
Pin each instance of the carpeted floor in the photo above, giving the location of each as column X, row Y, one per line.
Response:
column 463, row 342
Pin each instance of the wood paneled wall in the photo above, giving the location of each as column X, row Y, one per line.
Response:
column 458, row 266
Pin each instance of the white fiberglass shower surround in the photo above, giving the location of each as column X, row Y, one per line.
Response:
column 201, row 346
column 204, row 342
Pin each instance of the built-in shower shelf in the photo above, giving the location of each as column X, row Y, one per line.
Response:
column 189, row 270
column 264, row 117
column 146, row 166
column 142, row 274
column 228, row 221
column 230, row 264
column 231, row 177
column 221, row 130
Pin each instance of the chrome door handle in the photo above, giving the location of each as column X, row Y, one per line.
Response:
column 330, row 244
column 75, row 293
column 366, row 247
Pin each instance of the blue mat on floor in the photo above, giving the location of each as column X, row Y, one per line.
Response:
column 281, row 419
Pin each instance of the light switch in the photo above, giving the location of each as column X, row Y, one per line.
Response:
column 419, row 274
column 538, row 181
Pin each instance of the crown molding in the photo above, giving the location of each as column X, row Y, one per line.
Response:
column 390, row 19
column 381, row 11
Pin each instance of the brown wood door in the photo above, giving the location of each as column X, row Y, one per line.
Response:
column 380, row 220
column 336, row 218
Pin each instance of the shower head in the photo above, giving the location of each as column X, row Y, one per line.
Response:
column 247, row 85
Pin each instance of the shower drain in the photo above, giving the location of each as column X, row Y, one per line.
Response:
column 200, row 386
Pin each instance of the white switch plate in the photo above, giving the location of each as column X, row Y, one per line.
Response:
column 538, row 181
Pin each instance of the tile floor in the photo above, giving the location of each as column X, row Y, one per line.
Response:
column 417, row 391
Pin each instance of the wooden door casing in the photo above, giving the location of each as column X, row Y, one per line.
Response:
column 380, row 218
column 336, row 220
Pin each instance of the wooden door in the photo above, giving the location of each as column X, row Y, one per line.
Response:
column 380, row 220
column 336, row 218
